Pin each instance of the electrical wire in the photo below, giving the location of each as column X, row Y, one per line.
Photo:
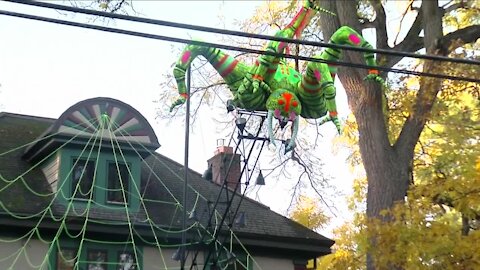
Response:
column 238, row 33
column 234, row 48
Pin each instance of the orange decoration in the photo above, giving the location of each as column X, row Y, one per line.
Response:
column 257, row 77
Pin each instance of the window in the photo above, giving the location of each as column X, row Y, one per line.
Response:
column 82, row 176
column 66, row 258
column 99, row 178
column 97, row 259
column 126, row 261
column 117, row 178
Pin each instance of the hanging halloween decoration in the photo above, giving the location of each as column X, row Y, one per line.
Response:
column 273, row 86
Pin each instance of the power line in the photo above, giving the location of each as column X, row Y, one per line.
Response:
column 239, row 33
column 233, row 48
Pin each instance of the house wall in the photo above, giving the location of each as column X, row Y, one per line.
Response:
column 31, row 257
column 152, row 261
column 35, row 251
column 272, row 263
column 50, row 170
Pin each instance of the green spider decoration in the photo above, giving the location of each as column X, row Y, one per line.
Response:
column 273, row 86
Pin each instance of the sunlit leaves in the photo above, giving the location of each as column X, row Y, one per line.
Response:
column 437, row 227
column 308, row 213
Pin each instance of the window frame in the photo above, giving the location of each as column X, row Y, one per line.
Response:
column 128, row 251
column 128, row 168
column 100, row 189
column 74, row 162
column 88, row 262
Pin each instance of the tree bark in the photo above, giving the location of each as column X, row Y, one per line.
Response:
column 387, row 175
column 388, row 167
column 387, row 178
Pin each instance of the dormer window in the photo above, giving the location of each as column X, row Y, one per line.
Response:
column 99, row 146
column 83, row 171
column 118, row 183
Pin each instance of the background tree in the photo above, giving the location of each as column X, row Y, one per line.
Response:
column 437, row 225
column 388, row 161
column 308, row 213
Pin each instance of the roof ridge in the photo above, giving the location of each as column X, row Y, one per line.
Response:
column 176, row 162
column 27, row 116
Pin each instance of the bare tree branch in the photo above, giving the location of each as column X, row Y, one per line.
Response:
column 411, row 43
column 401, row 20
column 455, row 39
column 380, row 23
column 118, row 6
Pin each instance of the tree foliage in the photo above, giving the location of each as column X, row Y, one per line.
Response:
column 308, row 213
column 437, row 227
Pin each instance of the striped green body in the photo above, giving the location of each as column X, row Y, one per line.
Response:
column 315, row 89
column 230, row 69
column 273, row 86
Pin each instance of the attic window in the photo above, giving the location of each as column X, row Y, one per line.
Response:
column 97, row 259
column 118, row 177
column 82, row 176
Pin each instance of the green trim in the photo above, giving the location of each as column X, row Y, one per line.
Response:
column 129, row 184
column 100, row 190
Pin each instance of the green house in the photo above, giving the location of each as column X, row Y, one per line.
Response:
column 88, row 191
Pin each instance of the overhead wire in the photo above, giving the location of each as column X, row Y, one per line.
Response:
column 173, row 39
column 237, row 33
column 236, row 48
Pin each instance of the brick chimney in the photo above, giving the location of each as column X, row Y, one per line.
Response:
column 219, row 164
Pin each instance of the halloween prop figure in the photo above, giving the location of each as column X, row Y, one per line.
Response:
column 273, row 86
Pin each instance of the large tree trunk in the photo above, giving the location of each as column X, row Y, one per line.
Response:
column 387, row 176
column 387, row 172
column 388, row 167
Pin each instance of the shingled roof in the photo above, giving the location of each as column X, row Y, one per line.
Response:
column 162, row 185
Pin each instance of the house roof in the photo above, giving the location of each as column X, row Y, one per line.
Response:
column 24, row 190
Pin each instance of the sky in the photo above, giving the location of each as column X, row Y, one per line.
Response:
column 46, row 68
